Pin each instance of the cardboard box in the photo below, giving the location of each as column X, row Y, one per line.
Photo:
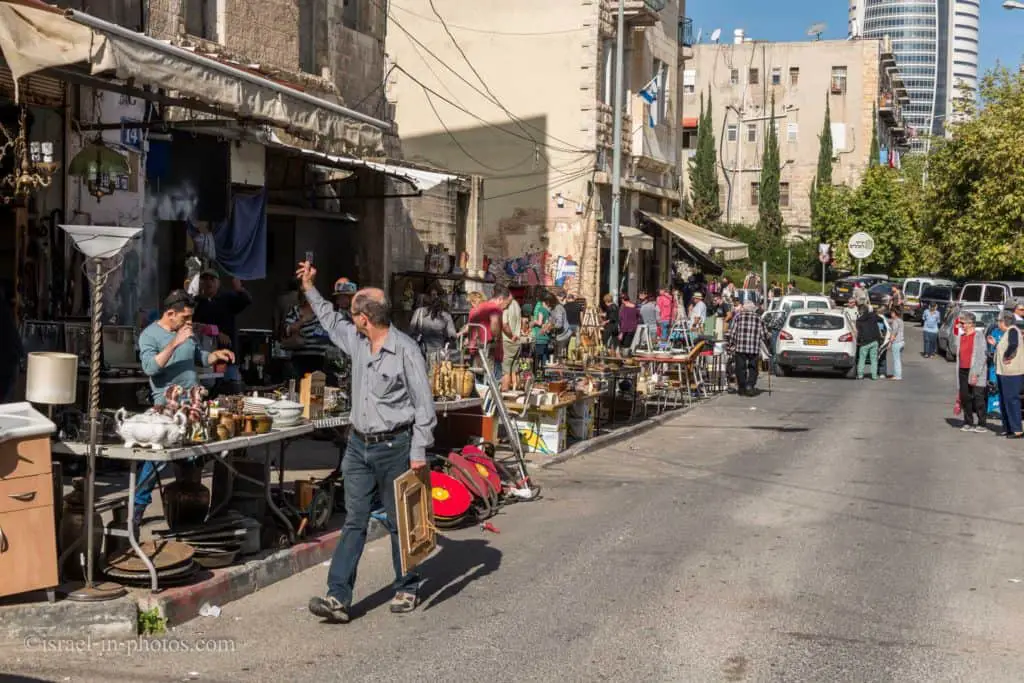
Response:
column 543, row 432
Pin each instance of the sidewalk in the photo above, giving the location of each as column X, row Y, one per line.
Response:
column 30, row 614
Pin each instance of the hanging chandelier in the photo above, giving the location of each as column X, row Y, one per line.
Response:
column 99, row 166
column 33, row 162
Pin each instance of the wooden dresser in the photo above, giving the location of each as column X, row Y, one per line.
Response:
column 28, row 537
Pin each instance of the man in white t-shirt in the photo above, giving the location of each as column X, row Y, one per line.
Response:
column 511, row 338
column 698, row 312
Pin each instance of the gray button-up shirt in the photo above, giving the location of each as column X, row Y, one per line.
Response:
column 390, row 388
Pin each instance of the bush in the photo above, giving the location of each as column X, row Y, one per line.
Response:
column 763, row 246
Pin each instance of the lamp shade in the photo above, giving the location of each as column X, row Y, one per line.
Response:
column 100, row 241
column 51, row 378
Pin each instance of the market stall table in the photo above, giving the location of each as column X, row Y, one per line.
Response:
column 216, row 449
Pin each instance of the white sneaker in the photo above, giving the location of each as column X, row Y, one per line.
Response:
column 967, row 428
column 981, row 430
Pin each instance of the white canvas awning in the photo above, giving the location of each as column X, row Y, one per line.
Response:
column 702, row 239
column 630, row 238
column 36, row 36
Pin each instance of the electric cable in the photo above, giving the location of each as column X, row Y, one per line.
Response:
column 523, row 34
column 564, row 181
column 462, row 149
column 462, row 78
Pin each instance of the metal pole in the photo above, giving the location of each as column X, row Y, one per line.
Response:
column 94, row 420
column 613, row 252
column 859, row 261
column 824, row 269
column 764, row 280
column 789, row 267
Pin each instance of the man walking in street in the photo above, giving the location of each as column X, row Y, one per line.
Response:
column 746, row 333
column 649, row 316
column 869, row 338
column 393, row 423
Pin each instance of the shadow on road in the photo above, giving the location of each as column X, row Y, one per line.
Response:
column 456, row 565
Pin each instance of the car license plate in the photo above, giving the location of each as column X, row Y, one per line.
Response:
column 816, row 342
column 844, row 289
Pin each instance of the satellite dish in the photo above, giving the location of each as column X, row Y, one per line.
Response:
column 715, row 35
column 816, row 30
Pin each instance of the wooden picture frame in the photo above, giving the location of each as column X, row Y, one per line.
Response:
column 417, row 536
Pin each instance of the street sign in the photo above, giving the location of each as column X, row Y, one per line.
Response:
column 861, row 245
column 131, row 137
column 825, row 253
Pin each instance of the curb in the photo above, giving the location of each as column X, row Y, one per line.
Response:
column 620, row 434
column 117, row 619
column 178, row 605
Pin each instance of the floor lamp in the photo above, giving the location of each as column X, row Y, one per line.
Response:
column 102, row 247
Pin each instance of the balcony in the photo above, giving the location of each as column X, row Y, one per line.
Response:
column 889, row 109
column 652, row 147
column 642, row 12
column 686, row 32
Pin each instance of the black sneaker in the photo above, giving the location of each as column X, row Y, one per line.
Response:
column 330, row 609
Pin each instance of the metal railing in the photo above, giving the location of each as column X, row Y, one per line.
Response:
column 686, row 32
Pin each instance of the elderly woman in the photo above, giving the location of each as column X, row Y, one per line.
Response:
column 1009, row 360
column 971, row 366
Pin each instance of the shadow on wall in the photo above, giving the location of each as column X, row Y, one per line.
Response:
column 526, row 235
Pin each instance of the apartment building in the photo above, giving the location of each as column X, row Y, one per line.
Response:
column 521, row 94
column 856, row 78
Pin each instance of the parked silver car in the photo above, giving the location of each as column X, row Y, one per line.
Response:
column 950, row 328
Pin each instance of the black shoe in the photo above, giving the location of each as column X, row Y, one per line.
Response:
column 1015, row 436
column 329, row 608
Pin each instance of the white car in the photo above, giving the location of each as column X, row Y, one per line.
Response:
column 792, row 302
column 816, row 340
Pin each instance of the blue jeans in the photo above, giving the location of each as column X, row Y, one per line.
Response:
column 931, row 343
column 663, row 329
column 368, row 470
column 1009, row 400
column 897, row 359
column 144, row 489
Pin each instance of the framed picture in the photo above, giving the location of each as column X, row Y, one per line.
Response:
column 417, row 536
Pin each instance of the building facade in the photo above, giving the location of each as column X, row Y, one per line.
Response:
column 856, row 78
column 521, row 94
column 936, row 48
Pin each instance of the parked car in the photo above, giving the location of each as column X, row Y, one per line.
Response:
column 943, row 296
column 842, row 289
column 818, row 340
column 950, row 328
column 880, row 293
column 745, row 295
column 791, row 302
column 996, row 293
column 913, row 290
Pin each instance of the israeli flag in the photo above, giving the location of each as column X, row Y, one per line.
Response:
column 650, row 91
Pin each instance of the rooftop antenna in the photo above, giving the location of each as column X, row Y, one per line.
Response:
column 715, row 35
column 700, row 32
column 816, row 30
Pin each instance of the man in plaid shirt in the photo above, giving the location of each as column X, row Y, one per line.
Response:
column 746, row 332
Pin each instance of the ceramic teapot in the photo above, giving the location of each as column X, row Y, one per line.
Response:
column 150, row 429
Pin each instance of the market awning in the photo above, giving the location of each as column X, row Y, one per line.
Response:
column 710, row 243
column 36, row 37
column 630, row 238
column 421, row 179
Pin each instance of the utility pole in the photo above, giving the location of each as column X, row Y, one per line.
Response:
column 613, row 252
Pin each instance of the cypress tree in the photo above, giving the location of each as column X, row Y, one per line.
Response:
column 873, row 159
column 824, row 175
column 705, row 209
column 769, row 213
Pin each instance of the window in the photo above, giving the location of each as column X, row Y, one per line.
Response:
column 838, row 80
column 755, row 193
column 734, row 77
column 751, row 132
column 776, row 75
column 783, row 194
column 971, row 294
column 731, row 133
column 753, row 77
column 818, row 322
column 350, row 14
column 994, row 294
column 794, row 75
column 203, row 20
column 690, row 81
column 608, row 70
column 689, row 139
column 792, row 132
column 913, row 288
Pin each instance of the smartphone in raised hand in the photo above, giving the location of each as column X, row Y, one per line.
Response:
column 309, row 257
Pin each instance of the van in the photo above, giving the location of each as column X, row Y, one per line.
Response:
column 913, row 288
column 996, row 293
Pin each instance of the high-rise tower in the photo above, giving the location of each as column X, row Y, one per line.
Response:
column 936, row 47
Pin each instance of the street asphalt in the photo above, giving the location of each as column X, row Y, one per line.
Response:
column 833, row 530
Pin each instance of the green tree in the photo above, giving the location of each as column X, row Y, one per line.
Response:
column 874, row 152
column 823, row 177
column 704, row 198
column 769, row 214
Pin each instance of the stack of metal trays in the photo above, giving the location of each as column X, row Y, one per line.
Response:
column 173, row 562
column 231, row 533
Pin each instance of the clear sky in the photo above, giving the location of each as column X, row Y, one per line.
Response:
column 1002, row 31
